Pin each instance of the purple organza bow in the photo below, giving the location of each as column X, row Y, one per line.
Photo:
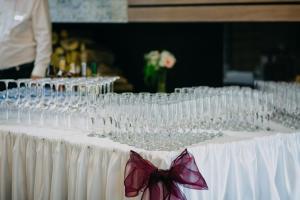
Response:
column 157, row 184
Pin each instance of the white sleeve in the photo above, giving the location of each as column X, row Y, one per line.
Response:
column 42, row 33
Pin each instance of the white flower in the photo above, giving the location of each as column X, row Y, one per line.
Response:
column 167, row 60
column 152, row 57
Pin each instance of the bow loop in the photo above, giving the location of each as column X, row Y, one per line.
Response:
column 156, row 184
column 185, row 171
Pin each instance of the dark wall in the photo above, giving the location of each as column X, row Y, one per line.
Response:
column 198, row 48
column 270, row 47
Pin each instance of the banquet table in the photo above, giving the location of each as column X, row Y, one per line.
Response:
column 48, row 163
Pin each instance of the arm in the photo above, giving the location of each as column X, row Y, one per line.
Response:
column 41, row 24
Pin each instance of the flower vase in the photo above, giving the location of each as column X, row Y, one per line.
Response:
column 161, row 80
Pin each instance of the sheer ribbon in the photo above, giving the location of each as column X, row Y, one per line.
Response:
column 157, row 184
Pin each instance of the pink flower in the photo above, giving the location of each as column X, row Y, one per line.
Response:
column 167, row 60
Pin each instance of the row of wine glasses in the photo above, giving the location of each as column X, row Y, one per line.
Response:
column 286, row 101
column 180, row 119
column 154, row 121
column 247, row 108
column 28, row 96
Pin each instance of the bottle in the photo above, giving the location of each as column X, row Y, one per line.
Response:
column 83, row 59
column 83, row 69
column 62, row 67
column 72, row 70
column 94, row 69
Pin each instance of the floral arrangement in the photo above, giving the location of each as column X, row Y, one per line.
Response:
column 156, row 66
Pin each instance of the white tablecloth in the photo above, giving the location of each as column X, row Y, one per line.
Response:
column 39, row 163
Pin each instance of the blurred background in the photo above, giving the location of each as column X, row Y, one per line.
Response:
column 235, row 48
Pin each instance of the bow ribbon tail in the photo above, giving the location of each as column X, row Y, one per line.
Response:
column 137, row 173
column 162, row 191
column 176, row 193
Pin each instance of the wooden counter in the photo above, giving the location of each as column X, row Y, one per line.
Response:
column 214, row 10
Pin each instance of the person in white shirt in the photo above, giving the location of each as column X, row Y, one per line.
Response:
column 25, row 38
